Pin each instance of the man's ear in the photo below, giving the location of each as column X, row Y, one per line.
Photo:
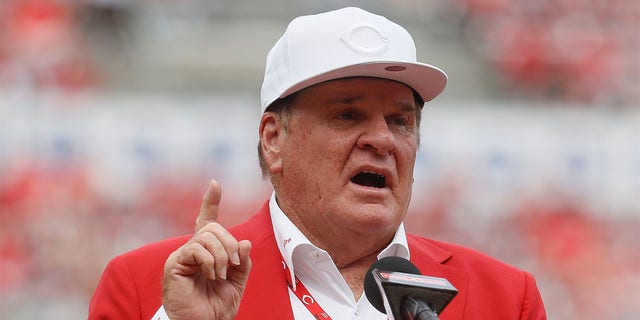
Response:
column 271, row 134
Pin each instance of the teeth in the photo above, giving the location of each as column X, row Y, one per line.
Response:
column 371, row 172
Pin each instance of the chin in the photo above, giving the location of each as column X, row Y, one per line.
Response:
column 378, row 218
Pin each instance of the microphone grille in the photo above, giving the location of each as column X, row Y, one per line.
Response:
column 395, row 264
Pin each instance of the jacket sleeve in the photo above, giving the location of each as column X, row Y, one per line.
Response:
column 116, row 295
column 532, row 306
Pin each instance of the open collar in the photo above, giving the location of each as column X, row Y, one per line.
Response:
column 290, row 239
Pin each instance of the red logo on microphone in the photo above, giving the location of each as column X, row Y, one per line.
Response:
column 410, row 278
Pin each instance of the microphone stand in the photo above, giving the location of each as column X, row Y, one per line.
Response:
column 416, row 309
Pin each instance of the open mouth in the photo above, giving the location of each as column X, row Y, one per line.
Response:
column 369, row 179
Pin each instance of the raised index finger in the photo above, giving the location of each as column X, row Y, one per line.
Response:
column 209, row 206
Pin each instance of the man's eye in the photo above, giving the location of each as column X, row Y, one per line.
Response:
column 347, row 116
column 399, row 121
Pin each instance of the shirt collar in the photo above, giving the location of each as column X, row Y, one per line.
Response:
column 289, row 237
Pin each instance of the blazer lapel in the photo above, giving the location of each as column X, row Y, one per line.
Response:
column 266, row 294
column 430, row 260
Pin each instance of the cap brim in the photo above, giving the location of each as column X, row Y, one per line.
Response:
column 429, row 81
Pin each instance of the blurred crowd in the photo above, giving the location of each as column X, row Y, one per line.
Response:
column 573, row 51
column 60, row 222
column 41, row 46
column 567, row 50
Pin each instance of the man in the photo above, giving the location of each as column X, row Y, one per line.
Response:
column 341, row 100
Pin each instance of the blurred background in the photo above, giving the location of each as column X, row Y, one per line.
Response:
column 115, row 114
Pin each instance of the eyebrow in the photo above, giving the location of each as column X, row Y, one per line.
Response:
column 345, row 98
column 404, row 106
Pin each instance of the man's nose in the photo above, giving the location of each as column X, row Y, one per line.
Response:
column 378, row 136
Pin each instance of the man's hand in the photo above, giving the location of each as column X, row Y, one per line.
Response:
column 205, row 278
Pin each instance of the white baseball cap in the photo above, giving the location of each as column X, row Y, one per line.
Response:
column 348, row 42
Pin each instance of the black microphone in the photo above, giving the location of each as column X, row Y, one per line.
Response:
column 395, row 286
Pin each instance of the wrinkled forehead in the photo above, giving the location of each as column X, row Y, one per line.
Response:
column 343, row 85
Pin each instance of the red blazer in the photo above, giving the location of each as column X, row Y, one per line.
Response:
column 131, row 285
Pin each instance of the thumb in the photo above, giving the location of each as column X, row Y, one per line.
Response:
column 210, row 205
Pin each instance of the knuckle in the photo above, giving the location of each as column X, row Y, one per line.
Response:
column 208, row 226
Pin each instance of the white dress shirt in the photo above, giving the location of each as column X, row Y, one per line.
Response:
column 317, row 271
